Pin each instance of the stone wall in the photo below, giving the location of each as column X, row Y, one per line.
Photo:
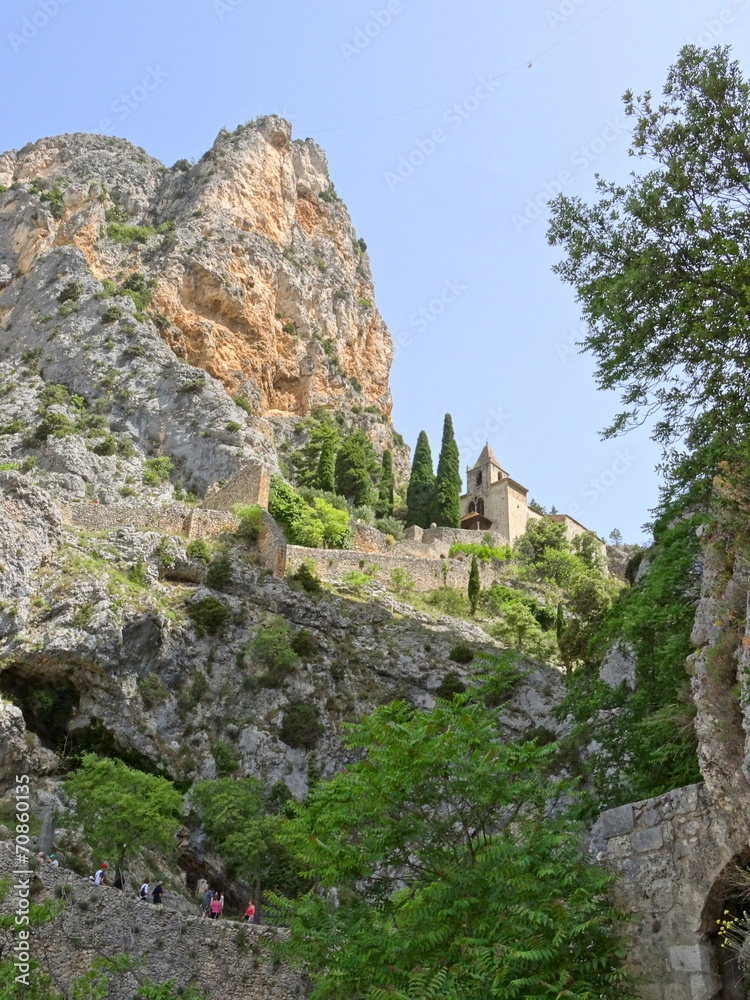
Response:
column 428, row 574
column 250, row 486
column 171, row 519
column 670, row 853
column 228, row 959
column 435, row 543
column 441, row 539
column 367, row 539
column 272, row 546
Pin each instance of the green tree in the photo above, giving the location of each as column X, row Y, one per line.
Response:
column 385, row 486
column 322, row 432
column 645, row 734
column 448, row 482
column 122, row 809
column 420, row 494
column 540, row 535
column 238, row 818
column 326, row 471
column 661, row 265
column 519, row 629
column 452, row 877
column 356, row 467
column 475, row 585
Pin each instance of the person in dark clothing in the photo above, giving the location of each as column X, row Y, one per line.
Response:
column 206, row 902
column 157, row 893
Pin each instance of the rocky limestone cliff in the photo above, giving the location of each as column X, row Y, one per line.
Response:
column 164, row 294
column 106, row 629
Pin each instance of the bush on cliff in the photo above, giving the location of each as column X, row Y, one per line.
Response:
column 314, row 525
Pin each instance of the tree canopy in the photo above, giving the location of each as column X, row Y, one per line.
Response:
column 385, row 486
column 441, row 868
column 237, row 817
column 122, row 809
column 356, row 469
column 661, row 265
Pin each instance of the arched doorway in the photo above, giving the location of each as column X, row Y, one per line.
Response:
column 729, row 898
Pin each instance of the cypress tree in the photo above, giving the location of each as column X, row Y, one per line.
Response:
column 474, row 585
column 448, row 483
column 385, row 488
column 420, row 495
column 356, row 463
column 326, row 472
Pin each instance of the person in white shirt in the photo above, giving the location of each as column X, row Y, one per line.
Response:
column 97, row 879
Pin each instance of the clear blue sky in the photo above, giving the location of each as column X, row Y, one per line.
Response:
column 459, row 238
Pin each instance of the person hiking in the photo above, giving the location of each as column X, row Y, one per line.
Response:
column 206, row 900
column 249, row 912
column 215, row 908
column 157, row 893
column 53, row 862
column 98, row 879
column 143, row 892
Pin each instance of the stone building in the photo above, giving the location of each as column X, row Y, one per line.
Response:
column 493, row 501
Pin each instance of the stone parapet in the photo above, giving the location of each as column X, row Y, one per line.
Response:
column 427, row 574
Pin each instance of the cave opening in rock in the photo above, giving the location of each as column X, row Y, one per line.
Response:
column 97, row 739
column 729, row 899
column 48, row 702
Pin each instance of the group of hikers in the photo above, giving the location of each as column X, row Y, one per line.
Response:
column 212, row 905
column 212, row 901
column 51, row 860
column 156, row 893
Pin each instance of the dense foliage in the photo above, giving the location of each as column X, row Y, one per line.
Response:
column 357, row 469
column 385, row 486
column 645, row 739
column 315, row 524
column 660, row 265
column 440, row 869
column 238, row 818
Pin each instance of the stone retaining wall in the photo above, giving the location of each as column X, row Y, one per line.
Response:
column 250, row 486
column 428, row 574
column 272, row 546
column 671, row 852
column 171, row 519
column 435, row 542
column 230, row 960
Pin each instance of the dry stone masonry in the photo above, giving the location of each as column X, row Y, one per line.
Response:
column 230, row 959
